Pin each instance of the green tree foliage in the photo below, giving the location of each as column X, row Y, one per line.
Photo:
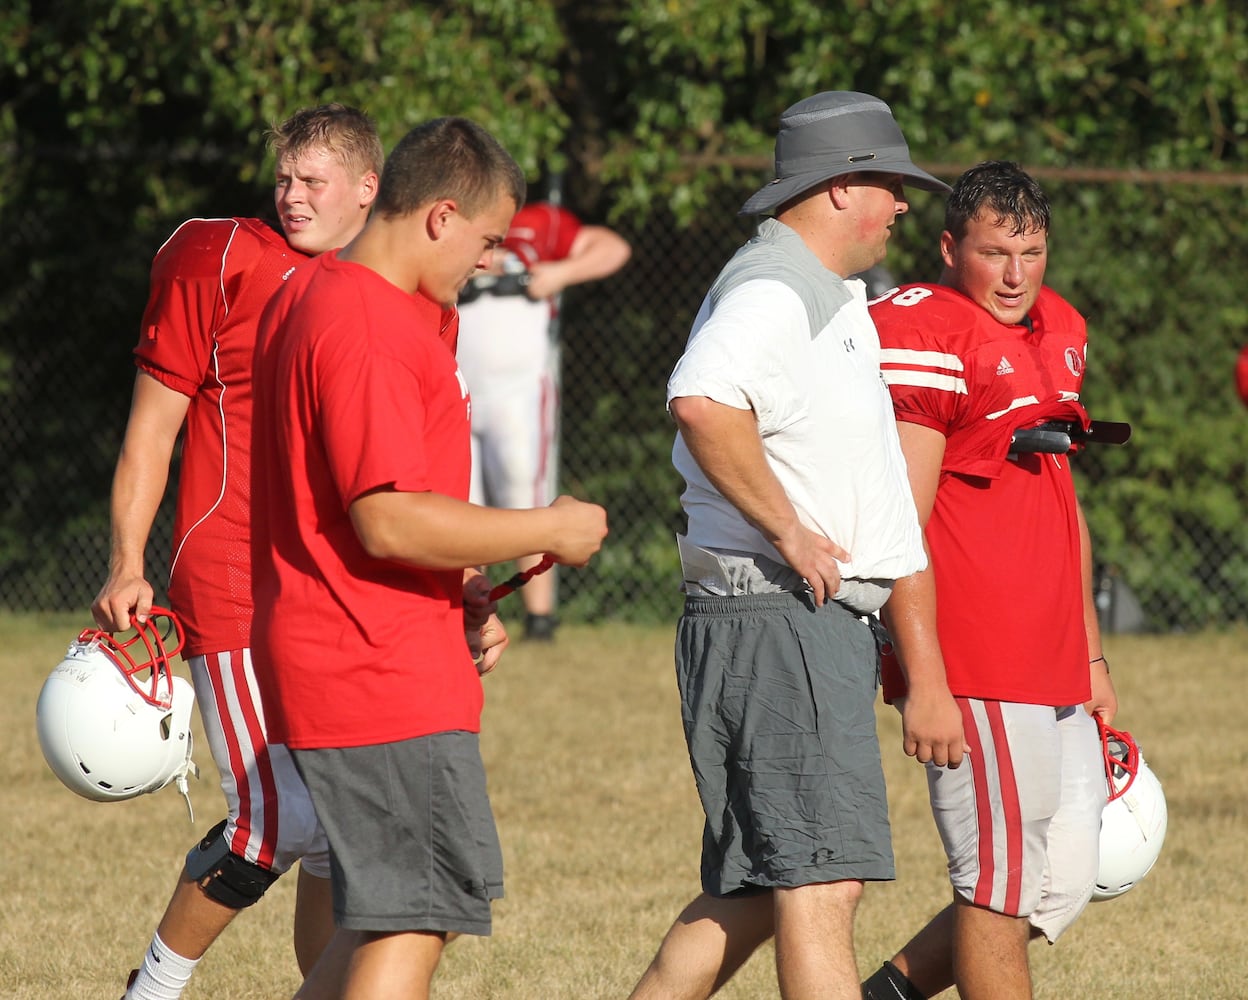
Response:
column 120, row 118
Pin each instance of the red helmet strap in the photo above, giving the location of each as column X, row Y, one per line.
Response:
column 1122, row 757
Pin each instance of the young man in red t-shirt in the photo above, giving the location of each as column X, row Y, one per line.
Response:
column 362, row 533
column 970, row 361
column 209, row 284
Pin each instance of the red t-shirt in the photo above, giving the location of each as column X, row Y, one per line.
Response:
column 1003, row 533
column 356, row 390
column 209, row 284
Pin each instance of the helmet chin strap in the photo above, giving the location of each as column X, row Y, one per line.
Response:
column 181, row 784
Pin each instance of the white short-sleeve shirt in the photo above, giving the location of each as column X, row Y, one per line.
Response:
column 780, row 334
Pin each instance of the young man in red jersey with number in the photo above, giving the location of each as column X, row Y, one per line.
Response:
column 209, row 283
column 363, row 531
column 987, row 352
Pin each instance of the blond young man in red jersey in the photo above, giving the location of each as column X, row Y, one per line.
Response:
column 209, row 283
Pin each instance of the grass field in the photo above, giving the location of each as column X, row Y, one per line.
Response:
column 600, row 830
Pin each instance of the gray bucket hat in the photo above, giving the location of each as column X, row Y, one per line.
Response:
column 833, row 133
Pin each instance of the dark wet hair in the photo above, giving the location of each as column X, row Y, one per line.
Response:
column 1003, row 188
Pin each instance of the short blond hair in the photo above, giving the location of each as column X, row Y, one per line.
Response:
column 348, row 133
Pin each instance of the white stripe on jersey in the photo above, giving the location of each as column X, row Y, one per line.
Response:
column 1014, row 405
column 920, row 359
column 926, row 369
column 927, row 380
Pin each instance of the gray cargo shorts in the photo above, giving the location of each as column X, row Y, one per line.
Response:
column 777, row 701
column 412, row 842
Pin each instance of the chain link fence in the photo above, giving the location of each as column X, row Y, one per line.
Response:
column 620, row 338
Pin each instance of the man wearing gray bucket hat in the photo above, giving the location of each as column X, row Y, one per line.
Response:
column 800, row 519
column 832, row 134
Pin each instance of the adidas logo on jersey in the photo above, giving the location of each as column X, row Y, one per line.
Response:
column 1004, row 367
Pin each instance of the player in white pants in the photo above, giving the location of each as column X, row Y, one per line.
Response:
column 509, row 355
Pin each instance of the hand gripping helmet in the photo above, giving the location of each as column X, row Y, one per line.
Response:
column 114, row 721
column 1133, row 822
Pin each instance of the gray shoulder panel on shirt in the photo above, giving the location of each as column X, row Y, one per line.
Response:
column 777, row 253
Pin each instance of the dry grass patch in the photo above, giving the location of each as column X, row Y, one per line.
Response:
column 601, row 830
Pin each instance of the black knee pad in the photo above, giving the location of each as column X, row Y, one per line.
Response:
column 224, row 876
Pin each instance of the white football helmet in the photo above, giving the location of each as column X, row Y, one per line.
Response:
column 114, row 721
column 1133, row 822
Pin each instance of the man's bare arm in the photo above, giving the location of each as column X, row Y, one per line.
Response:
column 142, row 473
column 931, row 722
column 434, row 531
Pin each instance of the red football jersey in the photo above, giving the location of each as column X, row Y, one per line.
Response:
column 1003, row 533
column 209, row 284
column 542, row 231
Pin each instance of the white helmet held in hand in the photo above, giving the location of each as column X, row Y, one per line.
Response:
column 113, row 726
column 1133, row 823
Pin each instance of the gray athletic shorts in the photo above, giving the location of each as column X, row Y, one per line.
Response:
column 412, row 842
column 777, row 699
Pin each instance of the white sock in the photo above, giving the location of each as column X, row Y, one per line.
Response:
column 163, row 975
